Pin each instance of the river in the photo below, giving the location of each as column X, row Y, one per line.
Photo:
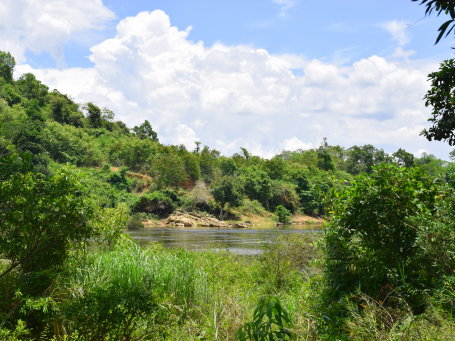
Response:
column 239, row 241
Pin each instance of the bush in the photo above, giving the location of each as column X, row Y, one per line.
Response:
column 283, row 215
column 284, row 194
column 372, row 243
column 135, row 222
column 271, row 321
column 161, row 203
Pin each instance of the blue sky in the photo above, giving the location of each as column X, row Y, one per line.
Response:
column 332, row 29
column 263, row 74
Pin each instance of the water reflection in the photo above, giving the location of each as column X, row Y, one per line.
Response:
column 240, row 241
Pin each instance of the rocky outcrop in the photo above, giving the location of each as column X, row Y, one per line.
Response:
column 193, row 219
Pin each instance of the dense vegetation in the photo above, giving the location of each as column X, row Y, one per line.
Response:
column 72, row 179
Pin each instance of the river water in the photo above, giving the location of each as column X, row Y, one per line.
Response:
column 239, row 241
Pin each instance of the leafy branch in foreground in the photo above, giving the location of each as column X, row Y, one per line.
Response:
column 441, row 6
column 441, row 97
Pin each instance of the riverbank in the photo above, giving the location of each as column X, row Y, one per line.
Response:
column 202, row 219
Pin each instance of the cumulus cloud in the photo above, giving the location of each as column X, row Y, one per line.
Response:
column 44, row 26
column 238, row 96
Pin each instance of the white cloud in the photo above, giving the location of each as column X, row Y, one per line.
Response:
column 238, row 96
column 294, row 143
column 44, row 26
column 286, row 5
column 398, row 30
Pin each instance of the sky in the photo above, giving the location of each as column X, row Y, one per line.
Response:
column 267, row 75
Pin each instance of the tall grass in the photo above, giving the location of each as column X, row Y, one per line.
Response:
column 129, row 292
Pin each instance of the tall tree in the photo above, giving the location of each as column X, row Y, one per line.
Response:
column 94, row 115
column 7, row 64
column 145, row 130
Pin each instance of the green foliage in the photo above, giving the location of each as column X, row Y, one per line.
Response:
column 135, row 222
column 324, row 158
column 64, row 110
column 403, row 158
column 199, row 198
column 284, row 260
column 66, row 143
column 20, row 333
column 94, row 115
column 371, row 242
column 441, row 97
column 441, row 6
column 275, row 168
column 145, row 130
column 31, row 235
column 169, row 170
column 362, row 159
column 207, row 160
column 283, row 215
column 192, row 167
column 284, row 194
column 132, row 152
column 32, row 89
column 227, row 166
column 257, row 185
column 271, row 321
column 10, row 95
column 227, row 190
column 128, row 293
column 7, row 64
column 109, row 223
column 162, row 203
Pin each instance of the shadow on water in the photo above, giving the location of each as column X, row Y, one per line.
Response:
column 239, row 241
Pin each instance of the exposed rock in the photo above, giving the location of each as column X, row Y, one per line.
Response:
column 193, row 219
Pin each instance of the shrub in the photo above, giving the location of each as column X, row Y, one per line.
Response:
column 283, row 215
column 284, row 194
column 135, row 222
column 372, row 244
column 271, row 321
column 161, row 203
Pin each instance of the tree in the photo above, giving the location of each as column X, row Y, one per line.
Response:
column 371, row 240
column 362, row 159
column 324, row 159
column 10, row 95
column 64, row 110
column 257, row 184
column 403, row 158
column 37, row 236
column 452, row 155
column 198, row 147
column 31, row 88
column 169, row 170
column 7, row 64
column 145, row 130
column 441, row 97
column 227, row 191
column 94, row 115
column 228, row 166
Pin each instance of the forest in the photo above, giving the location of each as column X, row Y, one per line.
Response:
column 73, row 179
